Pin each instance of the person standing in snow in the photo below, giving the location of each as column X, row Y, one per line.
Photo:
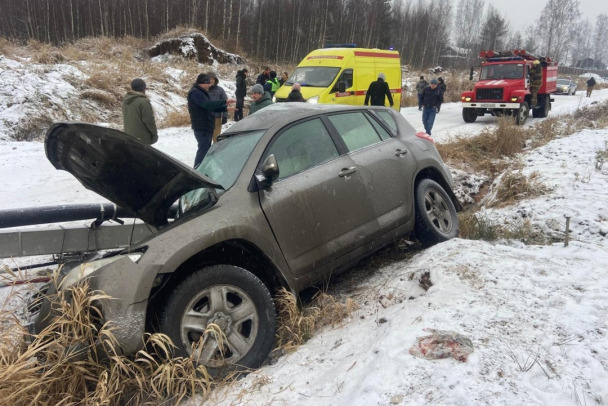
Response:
column 432, row 98
column 590, row 84
column 420, row 86
column 443, row 87
column 240, row 93
column 216, row 92
column 260, row 98
column 284, row 77
column 201, row 109
column 263, row 77
column 376, row 93
column 272, row 85
column 137, row 114
column 295, row 95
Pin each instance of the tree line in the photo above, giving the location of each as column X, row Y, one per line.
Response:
column 283, row 31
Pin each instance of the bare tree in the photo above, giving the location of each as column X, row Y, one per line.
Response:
column 600, row 39
column 557, row 27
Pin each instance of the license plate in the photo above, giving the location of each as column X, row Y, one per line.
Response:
column 487, row 105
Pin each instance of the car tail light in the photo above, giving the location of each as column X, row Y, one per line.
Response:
column 425, row 136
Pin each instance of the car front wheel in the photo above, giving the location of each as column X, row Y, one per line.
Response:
column 227, row 297
column 436, row 217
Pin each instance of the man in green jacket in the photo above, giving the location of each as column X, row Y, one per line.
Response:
column 137, row 114
column 260, row 98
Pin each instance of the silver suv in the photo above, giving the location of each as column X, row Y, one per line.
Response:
column 286, row 197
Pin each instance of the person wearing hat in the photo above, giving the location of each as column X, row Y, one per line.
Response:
column 240, row 93
column 432, row 97
column 296, row 95
column 378, row 90
column 137, row 114
column 201, row 108
column 272, row 84
column 536, row 81
column 260, row 98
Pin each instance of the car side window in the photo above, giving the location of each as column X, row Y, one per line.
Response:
column 388, row 118
column 346, row 77
column 355, row 129
column 303, row 146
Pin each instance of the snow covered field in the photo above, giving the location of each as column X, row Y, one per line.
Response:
column 537, row 315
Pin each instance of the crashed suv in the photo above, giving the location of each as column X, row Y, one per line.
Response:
column 287, row 197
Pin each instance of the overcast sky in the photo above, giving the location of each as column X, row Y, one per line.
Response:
column 522, row 13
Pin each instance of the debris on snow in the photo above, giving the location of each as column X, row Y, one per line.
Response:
column 442, row 344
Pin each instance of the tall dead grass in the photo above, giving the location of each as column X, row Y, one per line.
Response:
column 62, row 366
column 296, row 324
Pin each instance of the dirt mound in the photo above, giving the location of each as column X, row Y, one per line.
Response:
column 194, row 46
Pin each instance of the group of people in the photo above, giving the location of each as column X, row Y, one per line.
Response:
column 208, row 106
column 430, row 98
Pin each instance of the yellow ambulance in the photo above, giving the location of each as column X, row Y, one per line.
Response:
column 342, row 75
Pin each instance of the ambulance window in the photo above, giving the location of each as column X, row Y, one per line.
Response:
column 388, row 119
column 355, row 129
column 346, row 77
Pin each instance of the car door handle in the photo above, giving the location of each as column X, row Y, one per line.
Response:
column 347, row 171
column 401, row 152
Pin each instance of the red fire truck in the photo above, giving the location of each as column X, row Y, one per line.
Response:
column 504, row 87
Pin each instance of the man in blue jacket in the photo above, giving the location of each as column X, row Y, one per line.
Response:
column 201, row 109
column 432, row 97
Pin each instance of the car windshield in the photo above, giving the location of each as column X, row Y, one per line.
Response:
column 223, row 164
column 502, row 71
column 563, row 82
column 313, row 76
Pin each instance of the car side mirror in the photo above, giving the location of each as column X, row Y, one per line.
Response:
column 341, row 86
column 270, row 171
column 471, row 73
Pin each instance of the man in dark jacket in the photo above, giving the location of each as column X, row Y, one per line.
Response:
column 260, row 98
column 137, row 114
column 263, row 77
column 432, row 97
column 295, row 95
column 590, row 84
column 377, row 91
column 201, row 109
column 240, row 93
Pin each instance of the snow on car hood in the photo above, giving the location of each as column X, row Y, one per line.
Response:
column 135, row 176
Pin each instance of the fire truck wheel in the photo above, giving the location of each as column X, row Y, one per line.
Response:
column 522, row 113
column 543, row 110
column 469, row 115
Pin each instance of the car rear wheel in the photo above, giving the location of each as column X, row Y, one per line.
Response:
column 469, row 115
column 230, row 298
column 436, row 217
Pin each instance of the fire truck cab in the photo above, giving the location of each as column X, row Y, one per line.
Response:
column 504, row 87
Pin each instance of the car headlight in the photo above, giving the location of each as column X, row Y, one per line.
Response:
column 83, row 270
column 313, row 100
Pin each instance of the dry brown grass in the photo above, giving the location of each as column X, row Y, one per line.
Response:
column 175, row 119
column 296, row 325
column 514, row 186
column 476, row 225
column 63, row 366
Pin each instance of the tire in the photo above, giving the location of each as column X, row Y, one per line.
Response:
column 436, row 217
column 543, row 110
column 469, row 115
column 217, row 294
column 521, row 115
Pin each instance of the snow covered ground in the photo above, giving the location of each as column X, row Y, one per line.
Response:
column 537, row 315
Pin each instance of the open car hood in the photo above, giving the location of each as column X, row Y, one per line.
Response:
column 135, row 176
